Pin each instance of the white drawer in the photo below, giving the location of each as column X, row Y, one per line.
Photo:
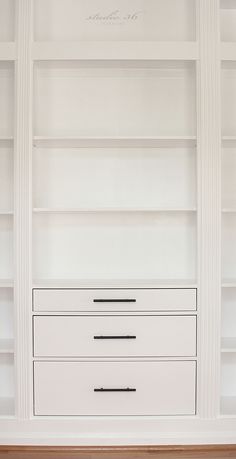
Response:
column 114, row 336
column 114, row 300
column 114, row 388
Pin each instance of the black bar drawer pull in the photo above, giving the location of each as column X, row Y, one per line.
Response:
column 127, row 389
column 114, row 300
column 114, row 337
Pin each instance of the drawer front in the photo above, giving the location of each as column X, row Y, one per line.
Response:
column 114, row 336
column 114, row 388
column 107, row 300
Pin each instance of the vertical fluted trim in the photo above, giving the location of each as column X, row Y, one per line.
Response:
column 22, row 176
column 209, row 206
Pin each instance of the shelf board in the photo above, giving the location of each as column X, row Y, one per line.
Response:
column 228, row 283
column 115, row 50
column 109, row 142
column 229, row 210
column 228, row 405
column 228, row 345
column 7, row 51
column 6, row 212
column 39, row 210
column 114, row 283
column 6, row 142
column 6, row 346
column 6, row 283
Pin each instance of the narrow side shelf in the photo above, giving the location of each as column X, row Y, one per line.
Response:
column 228, row 345
column 228, row 406
column 7, row 406
column 6, row 346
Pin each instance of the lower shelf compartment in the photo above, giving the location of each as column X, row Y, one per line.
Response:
column 114, row 388
column 7, row 406
column 103, row 246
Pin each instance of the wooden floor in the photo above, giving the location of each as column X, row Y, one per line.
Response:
column 209, row 452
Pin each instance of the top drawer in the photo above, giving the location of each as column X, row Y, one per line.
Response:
column 107, row 300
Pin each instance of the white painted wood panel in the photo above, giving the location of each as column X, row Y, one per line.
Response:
column 114, row 20
column 6, row 179
column 115, row 336
column 229, row 245
column 7, row 20
column 114, row 178
column 6, row 98
column 121, row 245
column 228, row 375
column 229, row 178
column 7, row 376
column 6, row 246
column 228, row 90
column 228, row 312
column 67, row 388
column 228, row 20
column 6, row 313
column 95, row 98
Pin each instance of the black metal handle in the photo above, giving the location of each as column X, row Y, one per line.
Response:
column 127, row 389
column 114, row 300
column 114, row 337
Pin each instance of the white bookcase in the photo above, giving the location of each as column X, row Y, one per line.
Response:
column 117, row 175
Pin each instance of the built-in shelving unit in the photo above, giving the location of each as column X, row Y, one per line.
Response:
column 7, row 376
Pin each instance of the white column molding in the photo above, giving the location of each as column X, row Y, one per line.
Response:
column 209, row 205
column 22, row 176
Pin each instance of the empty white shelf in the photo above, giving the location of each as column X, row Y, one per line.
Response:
column 7, row 51
column 6, row 283
column 228, row 345
column 6, row 346
column 228, row 406
column 7, row 406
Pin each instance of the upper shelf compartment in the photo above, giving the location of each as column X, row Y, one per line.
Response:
column 228, row 20
column 7, row 20
column 6, row 99
column 112, row 99
column 111, row 20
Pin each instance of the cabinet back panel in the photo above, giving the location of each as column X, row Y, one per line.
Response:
column 115, row 99
column 228, row 20
column 115, row 246
column 7, row 20
column 6, row 247
column 6, row 99
column 6, row 313
column 229, row 177
column 114, row 177
column 228, row 246
column 168, row 20
column 6, row 179
column 6, row 375
column 228, row 375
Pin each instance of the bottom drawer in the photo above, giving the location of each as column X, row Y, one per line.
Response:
column 114, row 388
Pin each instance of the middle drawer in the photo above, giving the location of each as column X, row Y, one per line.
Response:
column 115, row 336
